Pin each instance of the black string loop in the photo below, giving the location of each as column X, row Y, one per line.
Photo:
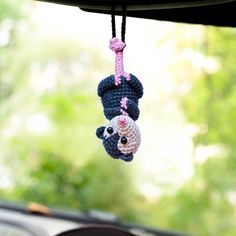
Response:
column 113, row 21
column 123, row 24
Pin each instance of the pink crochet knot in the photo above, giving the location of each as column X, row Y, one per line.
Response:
column 116, row 45
column 117, row 80
column 122, row 121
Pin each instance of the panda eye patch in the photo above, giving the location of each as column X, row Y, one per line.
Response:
column 110, row 130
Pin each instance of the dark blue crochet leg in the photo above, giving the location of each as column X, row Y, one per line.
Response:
column 132, row 109
column 136, row 84
column 105, row 85
column 110, row 113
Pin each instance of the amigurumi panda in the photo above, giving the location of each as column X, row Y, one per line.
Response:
column 119, row 95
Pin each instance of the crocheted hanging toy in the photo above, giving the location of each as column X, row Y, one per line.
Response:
column 119, row 95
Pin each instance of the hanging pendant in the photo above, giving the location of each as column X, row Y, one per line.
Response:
column 119, row 95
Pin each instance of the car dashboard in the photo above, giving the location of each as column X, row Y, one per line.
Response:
column 22, row 220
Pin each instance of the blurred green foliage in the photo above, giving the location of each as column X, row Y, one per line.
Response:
column 48, row 133
column 206, row 204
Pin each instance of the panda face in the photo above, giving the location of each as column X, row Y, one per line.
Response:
column 126, row 128
column 121, row 137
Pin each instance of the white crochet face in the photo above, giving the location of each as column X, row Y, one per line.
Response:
column 128, row 131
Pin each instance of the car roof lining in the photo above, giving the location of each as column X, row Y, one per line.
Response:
column 206, row 12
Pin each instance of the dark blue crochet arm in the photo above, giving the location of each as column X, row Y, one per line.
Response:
column 127, row 157
column 106, row 84
column 132, row 110
column 136, row 84
column 110, row 113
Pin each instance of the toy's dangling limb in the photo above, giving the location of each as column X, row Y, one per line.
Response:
column 118, row 46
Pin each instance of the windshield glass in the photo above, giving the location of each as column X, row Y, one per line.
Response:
column 52, row 58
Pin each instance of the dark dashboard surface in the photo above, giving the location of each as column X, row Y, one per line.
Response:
column 17, row 220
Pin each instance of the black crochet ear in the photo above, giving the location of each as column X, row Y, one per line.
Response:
column 100, row 131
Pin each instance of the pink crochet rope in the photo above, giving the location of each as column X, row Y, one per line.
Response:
column 118, row 46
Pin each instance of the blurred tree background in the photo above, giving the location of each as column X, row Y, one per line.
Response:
column 49, row 112
column 206, row 204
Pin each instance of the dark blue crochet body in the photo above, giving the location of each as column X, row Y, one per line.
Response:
column 112, row 94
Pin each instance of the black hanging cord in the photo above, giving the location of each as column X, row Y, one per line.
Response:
column 123, row 24
column 113, row 21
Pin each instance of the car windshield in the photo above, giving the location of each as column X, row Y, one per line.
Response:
column 182, row 178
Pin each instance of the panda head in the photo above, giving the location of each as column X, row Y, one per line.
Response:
column 121, row 137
